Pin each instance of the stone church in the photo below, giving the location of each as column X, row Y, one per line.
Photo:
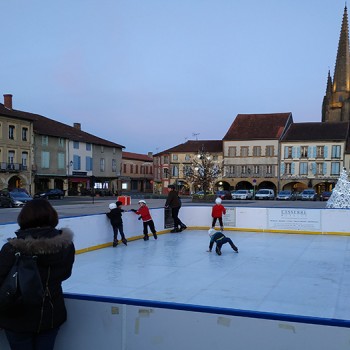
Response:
column 336, row 102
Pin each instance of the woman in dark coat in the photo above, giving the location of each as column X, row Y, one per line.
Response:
column 35, row 327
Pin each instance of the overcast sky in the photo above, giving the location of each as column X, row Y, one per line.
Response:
column 151, row 74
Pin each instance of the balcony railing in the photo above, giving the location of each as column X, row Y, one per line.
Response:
column 12, row 167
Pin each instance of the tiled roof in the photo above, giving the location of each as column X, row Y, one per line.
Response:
column 257, row 126
column 317, row 131
column 193, row 146
column 136, row 156
column 50, row 127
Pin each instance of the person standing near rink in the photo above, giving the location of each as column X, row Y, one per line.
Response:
column 173, row 201
column 146, row 218
column 220, row 239
column 29, row 327
column 217, row 211
column 115, row 217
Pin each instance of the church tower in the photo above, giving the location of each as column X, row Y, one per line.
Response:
column 336, row 102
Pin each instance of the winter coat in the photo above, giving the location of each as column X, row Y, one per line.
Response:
column 55, row 253
column 218, row 210
column 173, row 200
column 144, row 212
column 115, row 215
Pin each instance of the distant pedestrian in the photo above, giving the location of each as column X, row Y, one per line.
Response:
column 115, row 217
column 146, row 219
column 173, row 201
column 220, row 239
column 217, row 211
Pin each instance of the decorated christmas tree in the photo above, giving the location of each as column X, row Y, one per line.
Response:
column 340, row 197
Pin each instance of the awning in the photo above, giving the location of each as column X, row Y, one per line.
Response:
column 78, row 179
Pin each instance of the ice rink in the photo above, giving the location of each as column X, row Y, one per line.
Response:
column 296, row 274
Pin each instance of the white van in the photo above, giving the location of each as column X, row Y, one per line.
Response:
column 265, row 194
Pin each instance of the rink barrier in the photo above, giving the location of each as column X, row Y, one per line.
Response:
column 97, row 322
column 140, row 324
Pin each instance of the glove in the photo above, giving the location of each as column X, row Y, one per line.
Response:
column 140, row 217
column 134, row 210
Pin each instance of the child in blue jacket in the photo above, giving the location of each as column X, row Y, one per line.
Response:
column 219, row 238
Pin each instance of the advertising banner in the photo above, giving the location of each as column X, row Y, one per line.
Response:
column 294, row 219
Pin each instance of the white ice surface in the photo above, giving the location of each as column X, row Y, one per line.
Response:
column 281, row 273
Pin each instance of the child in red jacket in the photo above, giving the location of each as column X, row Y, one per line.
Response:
column 147, row 220
column 217, row 211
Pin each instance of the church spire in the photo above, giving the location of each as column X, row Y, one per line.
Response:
column 341, row 80
column 329, row 88
column 327, row 98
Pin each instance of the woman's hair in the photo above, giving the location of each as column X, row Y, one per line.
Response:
column 37, row 213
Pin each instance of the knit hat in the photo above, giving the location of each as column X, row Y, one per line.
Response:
column 112, row 206
column 218, row 200
column 118, row 203
column 211, row 232
column 172, row 186
column 142, row 201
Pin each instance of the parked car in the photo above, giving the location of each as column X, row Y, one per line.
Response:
column 298, row 196
column 324, row 196
column 242, row 194
column 286, row 195
column 199, row 193
column 265, row 194
column 309, row 195
column 223, row 194
column 49, row 194
column 14, row 199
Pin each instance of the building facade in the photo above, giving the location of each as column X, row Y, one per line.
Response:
column 251, row 150
column 172, row 165
column 16, row 148
column 313, row 155
column 137, row 172
column 57, row 155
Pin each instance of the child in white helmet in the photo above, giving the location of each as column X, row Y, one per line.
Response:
column 146, row 219
column 217, row 211
column 115, row 216
column 220, row 239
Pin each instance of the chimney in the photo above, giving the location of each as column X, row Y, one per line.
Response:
column 77, row 126
column 150, row 154
column 8, row 101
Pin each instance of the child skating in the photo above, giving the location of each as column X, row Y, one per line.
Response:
column 115, row 217
column 146, row 219
column 220, row 239
column 217, row 211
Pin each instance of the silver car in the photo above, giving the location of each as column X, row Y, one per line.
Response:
column 309, row 195
column 242, row 194
column 286, row 195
